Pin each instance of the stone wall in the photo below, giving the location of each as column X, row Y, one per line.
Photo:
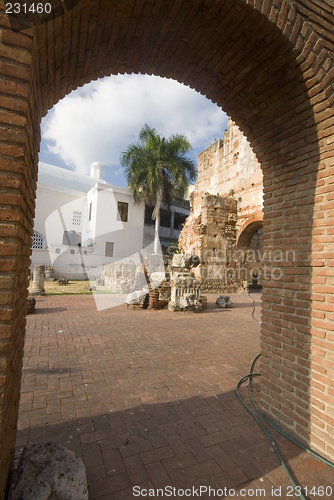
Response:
column 229, row 167
column 227, row 199
column 212, row 237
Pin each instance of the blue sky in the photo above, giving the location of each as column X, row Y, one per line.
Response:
column 99, row 120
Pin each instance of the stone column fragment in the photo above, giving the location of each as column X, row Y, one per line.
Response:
column 38, row 280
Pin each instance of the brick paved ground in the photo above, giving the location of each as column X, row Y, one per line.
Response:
column 147, row 398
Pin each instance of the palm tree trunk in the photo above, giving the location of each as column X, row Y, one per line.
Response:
column 156, row 232
column 156, row 211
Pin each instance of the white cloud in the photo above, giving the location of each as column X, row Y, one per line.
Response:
column 99, row 121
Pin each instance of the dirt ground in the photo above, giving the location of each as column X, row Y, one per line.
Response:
column 72, row 288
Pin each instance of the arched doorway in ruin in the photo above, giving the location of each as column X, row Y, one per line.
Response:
column 269, row 65
column 250, row 253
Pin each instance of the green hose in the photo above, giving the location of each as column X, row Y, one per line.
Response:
column 308, row 450
column 311, row 452
column 248, row 377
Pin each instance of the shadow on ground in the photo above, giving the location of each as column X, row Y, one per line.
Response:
column 147, row 398
column 198, row 442
column 49, row 310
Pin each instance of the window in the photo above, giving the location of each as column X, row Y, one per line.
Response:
column 179, row 219
column 90, row 211
column 109, row 249
column 76, row 218
column 165, row 217
column 148, row 216
column 122, row 211
column 71, row 238
column 37, row 241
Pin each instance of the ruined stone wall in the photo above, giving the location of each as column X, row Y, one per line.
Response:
column 230, row 167
column 227, row 198
column 212, row 236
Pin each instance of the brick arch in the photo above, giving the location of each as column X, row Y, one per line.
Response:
column 248, row 229
column 108, row 40
column 269, row 65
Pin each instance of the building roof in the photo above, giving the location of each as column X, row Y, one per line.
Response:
column 68, row 179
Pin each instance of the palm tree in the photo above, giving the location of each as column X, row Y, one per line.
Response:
column 157, row 169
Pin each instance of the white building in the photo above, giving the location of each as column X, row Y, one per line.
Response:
column 83, row 221
column 172, row 220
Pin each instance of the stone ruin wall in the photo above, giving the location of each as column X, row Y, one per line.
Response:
column 228, row 196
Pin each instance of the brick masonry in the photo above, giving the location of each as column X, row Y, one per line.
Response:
column 269, row 65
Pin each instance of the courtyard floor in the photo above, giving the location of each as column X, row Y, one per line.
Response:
column 147, row 399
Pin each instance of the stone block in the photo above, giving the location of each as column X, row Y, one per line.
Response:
column 137, row 298
column 48, row 471
column 224, row 301
column 31, row 305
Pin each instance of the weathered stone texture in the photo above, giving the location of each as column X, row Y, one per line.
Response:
column 38, row 281
column 226, row 201
column 48, row 471
column 212, row 237
column 230, row 167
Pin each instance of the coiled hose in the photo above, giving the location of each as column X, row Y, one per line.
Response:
column 248, row 377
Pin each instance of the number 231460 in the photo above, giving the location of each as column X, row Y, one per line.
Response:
column 26, row 8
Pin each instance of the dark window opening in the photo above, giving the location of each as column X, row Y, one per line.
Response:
column 109, row 249
column 148, row 216
column 90, row 211
column 179, row 220
column 165, row 217
column 71, row 238
column 122, row 211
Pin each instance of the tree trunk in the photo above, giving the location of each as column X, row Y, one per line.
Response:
column 156, row 232
column 156, row 211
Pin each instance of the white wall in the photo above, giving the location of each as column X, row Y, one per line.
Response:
column 56, row 205
column 126, row 236
column 54, row 215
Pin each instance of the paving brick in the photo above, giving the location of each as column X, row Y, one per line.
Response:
column 156, row 455
column 136, row 469
column 134, row 448
column 156, row 438
column 222, row 459
column 203, row 470
column 179, row 462
column 113, row 462
column 95, row 473
column 92, row 454
column 108, row 485
column 158, row 475
column 229, row 479
column 189, row 441
column 213, row 438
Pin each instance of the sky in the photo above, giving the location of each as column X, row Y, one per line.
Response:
column 98, row 121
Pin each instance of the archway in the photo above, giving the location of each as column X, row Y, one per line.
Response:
column 269, row 66
column 250, row 252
